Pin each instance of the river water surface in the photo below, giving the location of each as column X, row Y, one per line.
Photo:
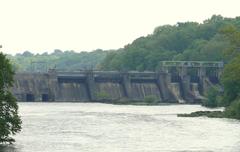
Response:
column 95, row 127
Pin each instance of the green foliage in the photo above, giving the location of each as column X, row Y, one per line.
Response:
column 210, row 114
column 68, row 60
column 150, row 99
column 10, row 122
column 212, row 98
column 232, row 33
column 231, row 80
column 231, row 74
column 103, row 95
column 183, row 41
column 233, row 111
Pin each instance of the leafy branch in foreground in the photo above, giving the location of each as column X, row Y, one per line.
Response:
column 10, row 122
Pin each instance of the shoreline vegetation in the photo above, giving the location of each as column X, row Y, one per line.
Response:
column 209, row 114
column 231, row 111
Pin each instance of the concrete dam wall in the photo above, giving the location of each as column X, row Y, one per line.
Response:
column 87, row 86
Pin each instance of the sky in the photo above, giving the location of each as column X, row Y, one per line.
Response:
column 85, row 25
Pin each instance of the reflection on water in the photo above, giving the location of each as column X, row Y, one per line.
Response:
column 95, row 127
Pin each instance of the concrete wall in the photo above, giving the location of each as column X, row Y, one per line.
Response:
column 90, row 86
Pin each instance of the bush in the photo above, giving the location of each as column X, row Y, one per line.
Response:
column 103, row 95
column 150, row 99
column 233, row 110
column 212, row 98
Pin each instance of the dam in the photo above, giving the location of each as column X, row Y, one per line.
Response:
column 176, row 82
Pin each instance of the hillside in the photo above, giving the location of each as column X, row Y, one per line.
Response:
column 183, row 41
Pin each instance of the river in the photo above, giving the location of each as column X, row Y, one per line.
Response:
column 96, row 127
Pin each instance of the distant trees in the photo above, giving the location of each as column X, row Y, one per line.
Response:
column 27, row 54
column 183, row 41
column 69, row 60
column 10, row 122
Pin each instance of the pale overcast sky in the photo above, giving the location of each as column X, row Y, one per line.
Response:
column 85, row 25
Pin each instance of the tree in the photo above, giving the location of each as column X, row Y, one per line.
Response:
column 182, row 41
column 232, row 34
column 231, row 73
column 10, row 122
column 212, row 100
column 27, row 54
column 231, row 80
column 233, row 111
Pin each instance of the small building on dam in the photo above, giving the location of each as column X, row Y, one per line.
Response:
column 176, row 81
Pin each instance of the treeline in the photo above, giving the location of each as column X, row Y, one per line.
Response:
column 230, row 79
column 231, row 75
column 183, row 41
column 67, row 60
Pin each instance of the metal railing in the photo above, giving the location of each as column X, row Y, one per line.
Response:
column 197, row 64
